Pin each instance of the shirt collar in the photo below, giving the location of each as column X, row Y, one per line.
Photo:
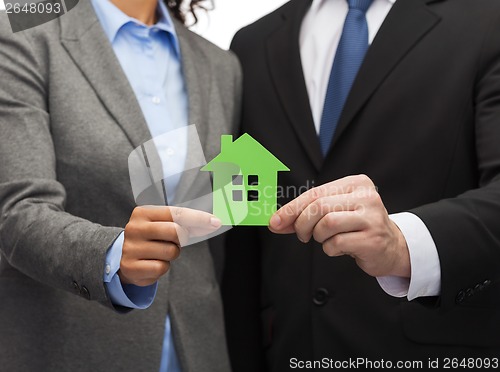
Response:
column 113, row 19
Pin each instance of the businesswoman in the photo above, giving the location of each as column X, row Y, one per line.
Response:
column 77, row 95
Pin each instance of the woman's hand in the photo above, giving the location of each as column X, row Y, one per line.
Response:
column 153, row 238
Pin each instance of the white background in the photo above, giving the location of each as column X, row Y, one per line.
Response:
column 220, row 25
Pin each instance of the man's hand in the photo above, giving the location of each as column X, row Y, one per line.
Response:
column 153, row 238
column 347, row 217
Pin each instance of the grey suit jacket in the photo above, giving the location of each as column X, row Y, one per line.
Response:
column 68, row 122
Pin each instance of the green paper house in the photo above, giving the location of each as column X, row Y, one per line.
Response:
column 245, row 179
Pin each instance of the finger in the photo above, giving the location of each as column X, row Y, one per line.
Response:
column 195, row 220
column 171, row 232
column 335, row 223
column 283, row 220
column 182, row 233
column 153, row 213
column 286, row 216
column 349, row 243
column 201, row 230
column 185, row 217
column 193, row 223
column 157, row 250
column 159, row 231
column 143, row 272
column 275, row 226
column 186, row 222
column 318, row 209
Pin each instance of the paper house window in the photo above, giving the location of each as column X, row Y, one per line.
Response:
column 253, row 195
column 238, row 179
column 253, row 180
column 237, row 195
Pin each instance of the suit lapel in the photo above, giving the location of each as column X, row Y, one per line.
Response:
column 86, row 43
column 406, row 24
column 197, row 76
column 196, row 70
column 286, row 71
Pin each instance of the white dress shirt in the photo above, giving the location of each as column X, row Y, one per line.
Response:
column 319, row 38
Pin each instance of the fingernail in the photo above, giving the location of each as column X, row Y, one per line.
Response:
column 215, row 222
column 275, row 221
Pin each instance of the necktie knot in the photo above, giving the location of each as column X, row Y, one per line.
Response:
column 362, row 5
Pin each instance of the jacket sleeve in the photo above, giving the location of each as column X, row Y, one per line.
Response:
column 37, row 236
column 466, row 229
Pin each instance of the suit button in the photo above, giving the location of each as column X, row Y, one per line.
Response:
column 84, row 292
column 478, row 288
column 460, row 297
column 76, row 287
column 486, row 283
column 320, row 297
column 469, row 292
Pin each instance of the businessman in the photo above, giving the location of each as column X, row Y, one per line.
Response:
column 392, row 110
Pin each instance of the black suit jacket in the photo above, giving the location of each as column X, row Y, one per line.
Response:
column 423, row 121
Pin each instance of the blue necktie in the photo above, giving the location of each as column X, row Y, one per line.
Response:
column 349, row 57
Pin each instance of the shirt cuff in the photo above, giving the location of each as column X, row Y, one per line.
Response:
column 424, row 259
column 127, row 295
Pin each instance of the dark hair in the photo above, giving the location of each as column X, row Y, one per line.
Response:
column 177, row 8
